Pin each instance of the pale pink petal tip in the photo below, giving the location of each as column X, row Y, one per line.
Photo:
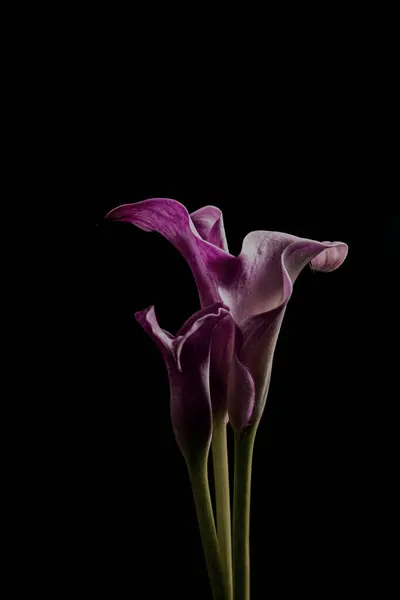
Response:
column 331, row 258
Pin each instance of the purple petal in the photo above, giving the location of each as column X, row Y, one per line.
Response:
column 210, row 225
column 231, row 384
column 268, row 265
column 260, row 334
column 162, row 338
column 193, row 320
column 172, row 220
column 187, row 358
column 194, row 338
column 284, row 257
column 249, row 284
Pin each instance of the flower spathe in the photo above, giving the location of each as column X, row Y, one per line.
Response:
column 256, row 286
column 187, row 357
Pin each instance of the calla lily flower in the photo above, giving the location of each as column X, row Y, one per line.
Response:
column 256, row 286
column 187, row 357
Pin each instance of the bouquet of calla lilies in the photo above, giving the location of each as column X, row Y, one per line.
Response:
column 219, row 362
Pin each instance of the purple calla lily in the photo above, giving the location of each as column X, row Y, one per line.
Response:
column 187, row 357
column 256, row 286
column 187, row 360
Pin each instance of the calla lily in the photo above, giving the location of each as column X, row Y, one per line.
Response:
column 187, row 357
column 256, row 286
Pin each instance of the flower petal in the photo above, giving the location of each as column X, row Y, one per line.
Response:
column 260, row 283
column 172, row 220
column 231, row 383
column 187, row 358
column 260, row 331
column 331, row 258
column 210, row 225
column 260, row 334
column 193, row 340
column 162, row 338
column 249, row 284
column 194, row 319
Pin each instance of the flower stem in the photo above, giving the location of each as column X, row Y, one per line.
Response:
column 244, row 444
column 222, row 499
column 205, row 518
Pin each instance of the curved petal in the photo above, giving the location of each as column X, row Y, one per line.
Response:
column 258, row 284
column 249, row 284
column 210, row 225
column 331, row 258
column 187, row 358
column 172, row 220
column 167, row 216
column 231, row 383
column 193, row 341
column 241, row 389
column 260, row 334
column 162, row 338
column 260, row 331
column 194, row 319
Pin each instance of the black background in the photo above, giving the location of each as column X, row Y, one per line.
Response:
column 294, row 141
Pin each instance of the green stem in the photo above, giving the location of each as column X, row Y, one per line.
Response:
column 205, row 518
column 244, row 444
column 222, row 499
